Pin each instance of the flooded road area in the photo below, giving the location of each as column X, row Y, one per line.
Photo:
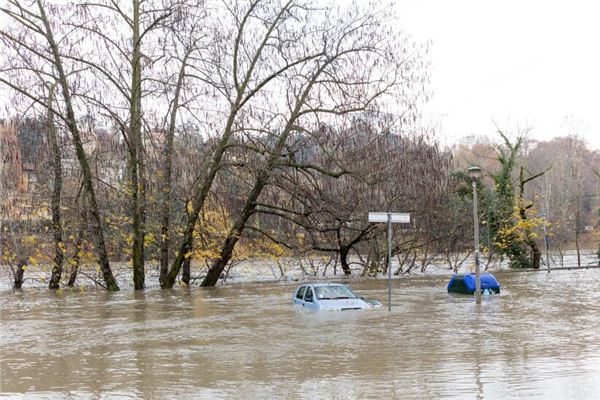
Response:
column 539, row 338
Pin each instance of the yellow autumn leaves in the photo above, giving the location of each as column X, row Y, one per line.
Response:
column 521, row 229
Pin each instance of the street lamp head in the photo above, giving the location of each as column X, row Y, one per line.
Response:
column 474, row 172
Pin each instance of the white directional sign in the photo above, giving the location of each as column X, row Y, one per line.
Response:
column 395, row 218
column 389, row 218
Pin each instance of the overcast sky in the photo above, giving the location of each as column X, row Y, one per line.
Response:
column 519, row 63
column 523, row 64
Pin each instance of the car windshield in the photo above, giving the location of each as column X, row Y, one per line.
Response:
column 334, row 292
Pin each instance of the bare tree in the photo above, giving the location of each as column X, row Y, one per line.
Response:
column 37, row 54
column 184, row 51
column 56, row 197
column 128, row 35
column 354, row 67
column 266, row 43
column 523, row 207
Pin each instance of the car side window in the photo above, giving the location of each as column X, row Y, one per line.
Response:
column 300, row 293
column 309, row 295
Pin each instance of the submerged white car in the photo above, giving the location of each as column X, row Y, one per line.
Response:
column 330, row 297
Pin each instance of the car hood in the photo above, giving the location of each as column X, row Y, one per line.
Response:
column 343, row 304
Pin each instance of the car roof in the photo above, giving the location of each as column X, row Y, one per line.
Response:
column 323, row 284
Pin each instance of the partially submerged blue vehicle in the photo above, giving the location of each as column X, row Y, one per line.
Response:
column 330, row 297
column 465, row 284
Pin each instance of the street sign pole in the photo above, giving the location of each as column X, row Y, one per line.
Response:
column 390, row 218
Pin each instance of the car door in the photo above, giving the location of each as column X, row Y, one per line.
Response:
column 310, row 301
column 299, row 295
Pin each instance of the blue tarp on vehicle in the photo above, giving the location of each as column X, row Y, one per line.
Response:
column 465, row 283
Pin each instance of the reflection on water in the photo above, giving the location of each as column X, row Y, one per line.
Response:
column 538, row 339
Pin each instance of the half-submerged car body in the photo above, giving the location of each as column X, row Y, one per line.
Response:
column 465, row 284
column 330, row 297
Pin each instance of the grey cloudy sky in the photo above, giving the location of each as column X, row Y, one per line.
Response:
column 519, row 63
column 523, row 64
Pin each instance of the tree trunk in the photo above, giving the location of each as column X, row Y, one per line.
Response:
column 186, row 271
column 260, row 183
column 165, row 209
column 577, row 218
column 55, row 202
column 186, row 265
column 111, row 283
column 262, row 179
column 425, row 260
column 214, row 272
column 536, row 254
column 136, row 153
column 18, row 282
column 76, row 256
column 344, row 260
column 343, row 250
column 577, row 248
column 198, row 203
column 241, row 97
column 164, row 243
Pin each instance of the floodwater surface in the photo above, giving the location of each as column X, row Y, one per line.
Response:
column 539, row 338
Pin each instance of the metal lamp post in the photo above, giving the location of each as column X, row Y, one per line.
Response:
column 475, row 173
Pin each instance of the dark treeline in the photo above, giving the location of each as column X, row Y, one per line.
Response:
column 316, row 202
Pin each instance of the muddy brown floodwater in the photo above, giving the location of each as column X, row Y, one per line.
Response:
column 540, row 338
